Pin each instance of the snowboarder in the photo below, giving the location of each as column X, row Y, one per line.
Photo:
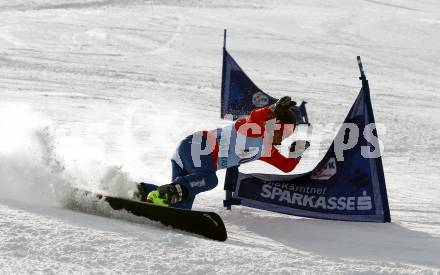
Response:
column 200, row 155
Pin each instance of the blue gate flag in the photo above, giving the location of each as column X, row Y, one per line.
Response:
column 352, row 189
column 240, row 95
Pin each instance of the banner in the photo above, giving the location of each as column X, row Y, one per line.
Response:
column 347, row 185
column 240, row 95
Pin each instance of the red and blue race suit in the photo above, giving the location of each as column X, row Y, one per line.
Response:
column 199, row 156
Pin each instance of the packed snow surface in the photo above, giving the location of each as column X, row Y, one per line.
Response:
column 97, row 94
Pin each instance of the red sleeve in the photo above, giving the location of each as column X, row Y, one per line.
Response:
column 279, row 161
column 258, row 116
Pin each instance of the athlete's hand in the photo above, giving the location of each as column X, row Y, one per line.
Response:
column 282, row 105
column 297, row 148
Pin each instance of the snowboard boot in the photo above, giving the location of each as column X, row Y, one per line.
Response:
column 167, row 195
column 154, row 198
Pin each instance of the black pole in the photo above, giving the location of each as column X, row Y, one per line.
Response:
column 224, row 38
column 222, row 99
column 361, row 68
column 362, row 77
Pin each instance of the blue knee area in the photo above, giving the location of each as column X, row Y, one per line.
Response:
column 194, row 184
column 197, row 182
column 210, row 179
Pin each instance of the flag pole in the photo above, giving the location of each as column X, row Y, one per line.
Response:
column 224, row 38
column 222, row 99
column 362, row 77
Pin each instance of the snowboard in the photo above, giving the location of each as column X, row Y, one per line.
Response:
column 207, row 224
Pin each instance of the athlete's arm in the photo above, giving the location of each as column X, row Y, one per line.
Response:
column 260, row 115
column 279, row 161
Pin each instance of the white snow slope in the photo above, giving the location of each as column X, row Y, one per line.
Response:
column 98, row 93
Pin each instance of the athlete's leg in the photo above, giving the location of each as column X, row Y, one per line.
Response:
column 193, row 176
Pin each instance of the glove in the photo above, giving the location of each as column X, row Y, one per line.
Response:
column 282, row 106
column 297, row 148
column 171, row 193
